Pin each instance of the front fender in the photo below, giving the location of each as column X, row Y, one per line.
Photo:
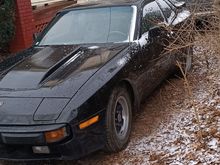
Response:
column 98, row 89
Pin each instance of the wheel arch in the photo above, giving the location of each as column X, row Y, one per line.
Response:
column 133, row 94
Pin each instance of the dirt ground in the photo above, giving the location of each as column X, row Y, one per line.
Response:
column 167, row 130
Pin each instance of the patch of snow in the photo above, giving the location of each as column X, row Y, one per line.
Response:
column 213, row 144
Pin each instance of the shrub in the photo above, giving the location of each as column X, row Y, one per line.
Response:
column 7, row 27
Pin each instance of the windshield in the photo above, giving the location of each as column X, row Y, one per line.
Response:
column 97, row 25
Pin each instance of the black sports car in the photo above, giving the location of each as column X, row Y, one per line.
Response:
column 76, row 89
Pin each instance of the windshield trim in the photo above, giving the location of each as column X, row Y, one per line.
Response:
column 133, row 24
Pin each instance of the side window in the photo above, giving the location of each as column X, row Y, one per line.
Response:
column 151, row 16
column 166, row 9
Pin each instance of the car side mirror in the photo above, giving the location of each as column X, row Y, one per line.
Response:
column 155, row 32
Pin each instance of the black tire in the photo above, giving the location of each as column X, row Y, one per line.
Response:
column 115, row 142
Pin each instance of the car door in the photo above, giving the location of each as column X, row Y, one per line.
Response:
column 169, row 38
column 152, row 33
column 180, row 29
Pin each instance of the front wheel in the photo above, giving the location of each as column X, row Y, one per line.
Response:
column 118, row 120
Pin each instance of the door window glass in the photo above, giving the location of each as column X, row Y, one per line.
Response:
column 166, row 9
column 152, row 16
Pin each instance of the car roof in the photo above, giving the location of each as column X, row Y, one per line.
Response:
column 105, row 3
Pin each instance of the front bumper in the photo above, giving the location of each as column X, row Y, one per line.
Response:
column 81, row 143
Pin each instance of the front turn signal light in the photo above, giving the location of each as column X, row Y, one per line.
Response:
column 89, row 122
column 56, row 135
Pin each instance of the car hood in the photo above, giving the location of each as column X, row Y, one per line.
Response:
column 36, row 89
column 56, row 71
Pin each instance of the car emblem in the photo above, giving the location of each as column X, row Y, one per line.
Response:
column 1, row 103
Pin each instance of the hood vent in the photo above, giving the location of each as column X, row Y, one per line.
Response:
column 62, row 63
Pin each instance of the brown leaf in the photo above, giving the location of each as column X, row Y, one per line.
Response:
column 191, row 156
column 216, row 114
column 154, row 156
column 213, row 131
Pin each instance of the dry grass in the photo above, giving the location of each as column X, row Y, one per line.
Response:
column 204, row 30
